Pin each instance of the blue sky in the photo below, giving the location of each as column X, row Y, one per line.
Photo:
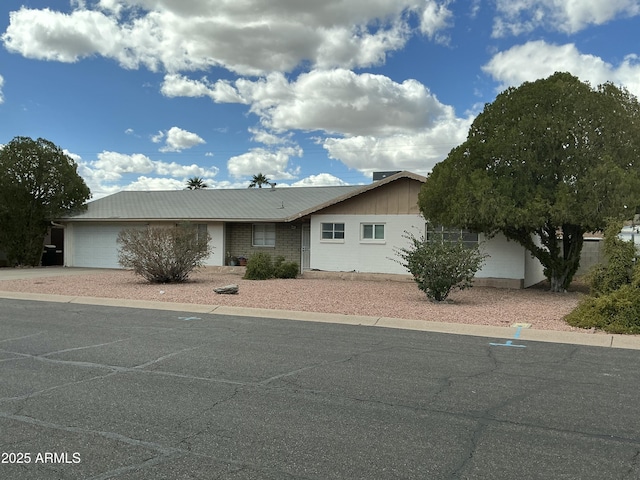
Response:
column 144, row 94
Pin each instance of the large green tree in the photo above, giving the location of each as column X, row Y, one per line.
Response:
column 552, row 158
column 38, row 183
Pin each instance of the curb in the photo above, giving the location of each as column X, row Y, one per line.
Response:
column 548, row 336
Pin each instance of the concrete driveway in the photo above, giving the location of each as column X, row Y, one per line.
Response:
column 7, row 273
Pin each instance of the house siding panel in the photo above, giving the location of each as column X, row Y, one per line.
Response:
column 397, row 198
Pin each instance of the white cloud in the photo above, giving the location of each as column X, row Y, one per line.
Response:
column 119, row 163
column 251, row 38
column 535, row 60
column 320, row 180
column 154, row 183
column 417, row 152
column 1, row 85
column 177, row 140
column 109, row 169
column 516, row 17
column 336, row 101
column 48, row 35
column 436, row 17
column 373, row 122
column 273, row 163
column 157, row 138
column 262, row 136
column 176, row 85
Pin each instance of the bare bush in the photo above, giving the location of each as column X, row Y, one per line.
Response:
column 163, row 254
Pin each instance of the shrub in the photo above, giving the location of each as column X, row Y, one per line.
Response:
column 259, row 267
column 616, row 312
column 163, row 254
column 614, row 301
column 284, row 269
column 439, row 266
column 618, row 269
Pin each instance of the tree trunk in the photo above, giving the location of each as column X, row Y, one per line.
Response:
column 560, row 262
column 566, row 262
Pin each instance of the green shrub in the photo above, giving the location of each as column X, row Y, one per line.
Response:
column 284, row 269
column 616, row 312
column 163, row 254
column 439, row 266
column 614, row 301
column 259, row 267
column 620, row 264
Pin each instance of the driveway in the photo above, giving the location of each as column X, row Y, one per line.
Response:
column 97, row 392
column 7, row 273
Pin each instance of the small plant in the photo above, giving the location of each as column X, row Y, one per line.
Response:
column 163, row 254
column 439, row 266
column 283, row 269
column 259, row 267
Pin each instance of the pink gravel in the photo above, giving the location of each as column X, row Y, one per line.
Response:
column 398, row 299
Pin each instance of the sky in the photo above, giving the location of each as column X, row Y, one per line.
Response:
column 145, row 94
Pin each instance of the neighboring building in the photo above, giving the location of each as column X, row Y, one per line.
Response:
column 341, row 228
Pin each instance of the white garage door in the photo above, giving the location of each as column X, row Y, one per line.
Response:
column 96, row 245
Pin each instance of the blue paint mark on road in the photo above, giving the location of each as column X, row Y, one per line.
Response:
column 509, row 343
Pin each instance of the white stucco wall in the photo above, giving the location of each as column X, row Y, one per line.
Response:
column 533, row 269
column 505, row 259
column 510, row 260
column 354, row 254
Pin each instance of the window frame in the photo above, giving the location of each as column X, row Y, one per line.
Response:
column 468, row 238
column 203, row 231
column 374, row 229
column 333, row 231
column 263, row 226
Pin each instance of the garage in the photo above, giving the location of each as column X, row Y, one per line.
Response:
column 93, row 245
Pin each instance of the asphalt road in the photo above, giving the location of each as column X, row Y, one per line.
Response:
column 93, row 392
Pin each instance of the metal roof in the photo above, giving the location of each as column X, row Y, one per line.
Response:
column 247, row 204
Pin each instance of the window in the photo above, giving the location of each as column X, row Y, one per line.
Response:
column 438, row 233
column 332, row 231
column 372, row 231
column 202, row 232
column 264, row 235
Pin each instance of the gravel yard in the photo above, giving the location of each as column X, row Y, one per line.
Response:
column 399, row 299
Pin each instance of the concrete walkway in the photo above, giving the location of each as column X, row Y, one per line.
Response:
column 510, row 334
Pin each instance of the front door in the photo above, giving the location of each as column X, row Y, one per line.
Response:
column 305, row 251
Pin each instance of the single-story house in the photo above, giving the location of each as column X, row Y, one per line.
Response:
column 333, row 228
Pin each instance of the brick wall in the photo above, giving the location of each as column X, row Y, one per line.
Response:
column 288, row 241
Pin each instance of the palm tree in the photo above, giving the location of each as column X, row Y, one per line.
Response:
column 259, row 180
column 196, row 183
